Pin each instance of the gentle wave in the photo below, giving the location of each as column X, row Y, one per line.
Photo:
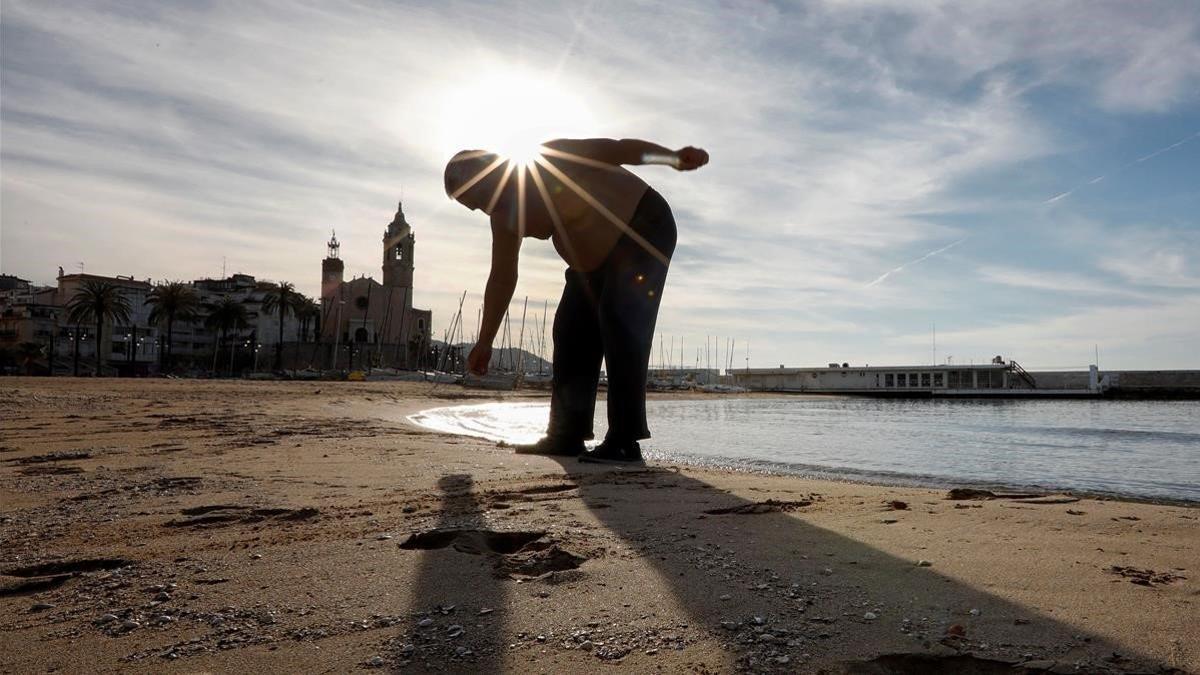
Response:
column 1141, row 434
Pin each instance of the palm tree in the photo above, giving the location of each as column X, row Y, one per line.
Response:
column 225, row 315
column 281, row 297
column 309, row 313
column 170, row 301
column 99, row 301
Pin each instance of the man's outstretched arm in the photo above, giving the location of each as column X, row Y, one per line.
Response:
column 631, row 151
column 502, row 281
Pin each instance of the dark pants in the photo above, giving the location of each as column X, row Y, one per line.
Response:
column 609, row 313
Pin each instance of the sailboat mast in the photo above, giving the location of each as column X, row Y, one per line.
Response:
column 542, row 343
column 521, row 347
column 504, row 340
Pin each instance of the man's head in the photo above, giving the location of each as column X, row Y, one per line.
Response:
column 471, row 177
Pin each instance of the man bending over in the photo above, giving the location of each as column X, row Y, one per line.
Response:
column 616, row 234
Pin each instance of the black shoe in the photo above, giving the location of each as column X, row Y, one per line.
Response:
column 613, row 452
column 550, row 445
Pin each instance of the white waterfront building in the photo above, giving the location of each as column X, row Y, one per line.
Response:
column 1000, row 377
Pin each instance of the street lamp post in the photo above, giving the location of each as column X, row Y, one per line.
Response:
column 76, row 338
column 50, row 357
column 131, row 347
column 337, row 328
column 232, row 354
column 257, row 348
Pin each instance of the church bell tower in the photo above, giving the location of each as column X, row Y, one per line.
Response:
column 398, row 244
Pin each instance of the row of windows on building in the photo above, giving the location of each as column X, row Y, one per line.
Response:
column 912, row 379
column 954, row 379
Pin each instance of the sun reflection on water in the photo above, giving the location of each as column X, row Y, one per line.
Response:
column 507, row 422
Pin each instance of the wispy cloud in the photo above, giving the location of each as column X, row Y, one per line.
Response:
column 1069, row 338
column 1061, row 284
column 155, row 139
column 1153, row 258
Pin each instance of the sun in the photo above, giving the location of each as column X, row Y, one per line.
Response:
column 510, row 110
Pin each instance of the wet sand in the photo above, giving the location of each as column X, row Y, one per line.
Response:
column 151, row 526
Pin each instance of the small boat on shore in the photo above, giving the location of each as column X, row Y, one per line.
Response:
column 492, row 381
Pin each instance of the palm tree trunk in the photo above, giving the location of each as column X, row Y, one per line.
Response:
column 166, row 353
column 99, row 342
column 279, row 348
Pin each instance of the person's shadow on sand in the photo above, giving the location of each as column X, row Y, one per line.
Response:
column 443, row 632
column 789, row 596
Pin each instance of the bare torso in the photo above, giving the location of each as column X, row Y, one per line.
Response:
column 575, row 194
column 594, row 205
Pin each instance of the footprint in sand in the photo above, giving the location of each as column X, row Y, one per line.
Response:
column 228, row 514
column 46, row 576
column 513, row 554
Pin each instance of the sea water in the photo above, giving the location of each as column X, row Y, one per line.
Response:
column 1148, row 449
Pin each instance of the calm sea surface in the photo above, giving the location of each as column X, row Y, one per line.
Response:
column 1133, row 448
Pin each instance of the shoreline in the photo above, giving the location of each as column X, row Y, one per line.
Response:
column 850, row 477
column 809, row 471
column 283, row 527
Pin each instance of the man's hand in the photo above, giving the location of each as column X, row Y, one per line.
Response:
column 691, row 158
column 479, row 358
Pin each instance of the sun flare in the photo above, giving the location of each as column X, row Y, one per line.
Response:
column 510, row 111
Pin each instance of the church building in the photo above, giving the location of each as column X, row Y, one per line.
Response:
column 364, row 313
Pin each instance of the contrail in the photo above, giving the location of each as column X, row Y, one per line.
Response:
column 1168, row 148
column 570, row 48
column 943, row 249
column 1139, row 160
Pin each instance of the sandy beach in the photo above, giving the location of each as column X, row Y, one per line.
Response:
column 211, row 526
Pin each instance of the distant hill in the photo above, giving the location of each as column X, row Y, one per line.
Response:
column 507, row 359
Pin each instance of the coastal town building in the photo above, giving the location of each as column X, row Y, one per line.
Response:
column 130, row 347
column 362, row 322
column 262, row 332
column 37, row 315
column 363, row 314
column 28, row 314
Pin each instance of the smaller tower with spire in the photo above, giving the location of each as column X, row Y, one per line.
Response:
column 332, row 268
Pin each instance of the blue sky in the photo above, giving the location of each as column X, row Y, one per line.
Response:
column 851, row 139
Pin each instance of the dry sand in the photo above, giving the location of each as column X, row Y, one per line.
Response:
column 151, row 526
